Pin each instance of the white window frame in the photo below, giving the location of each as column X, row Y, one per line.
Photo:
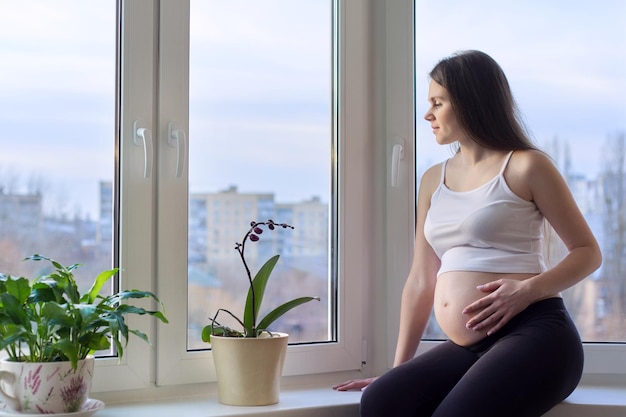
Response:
column 136, row 193
column 376, row 84
column 176, row 365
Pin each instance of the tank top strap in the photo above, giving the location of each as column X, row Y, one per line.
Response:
column 505, row 163
column 443, row 172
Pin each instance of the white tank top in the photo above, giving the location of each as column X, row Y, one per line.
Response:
column 487, row 229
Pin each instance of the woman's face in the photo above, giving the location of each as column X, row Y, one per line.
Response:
column 441, row 115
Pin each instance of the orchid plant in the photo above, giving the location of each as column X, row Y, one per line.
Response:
column 251, row 326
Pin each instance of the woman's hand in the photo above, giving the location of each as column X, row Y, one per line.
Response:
column 354, row 384
column 506, row 298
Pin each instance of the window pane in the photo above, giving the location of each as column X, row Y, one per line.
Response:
column 260, row 141
column 566, row 66
column 57, row 112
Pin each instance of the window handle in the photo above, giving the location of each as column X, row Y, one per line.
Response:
column 178, row 139
column 143, row 137
column 397, row 154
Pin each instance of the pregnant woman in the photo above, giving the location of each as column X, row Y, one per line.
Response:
column 513, row 349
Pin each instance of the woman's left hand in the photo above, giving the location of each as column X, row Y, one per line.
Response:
column 506, row 298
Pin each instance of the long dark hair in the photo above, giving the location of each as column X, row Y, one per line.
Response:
column 482, row 100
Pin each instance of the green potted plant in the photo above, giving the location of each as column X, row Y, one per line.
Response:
column 248, row 361
column 50, row 331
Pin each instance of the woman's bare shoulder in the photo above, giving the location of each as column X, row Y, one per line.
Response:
column 429, row 183
column 531, row 159
column 528, row 168
column 432, row 177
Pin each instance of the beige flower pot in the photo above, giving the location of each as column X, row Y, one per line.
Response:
column 248, row 369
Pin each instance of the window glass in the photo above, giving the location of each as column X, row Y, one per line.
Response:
column 260, row 142
column 57, row 112
column 566, row 67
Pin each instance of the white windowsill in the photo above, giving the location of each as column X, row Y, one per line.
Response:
column 596, row 401
column 300, row 396
column 313, row 396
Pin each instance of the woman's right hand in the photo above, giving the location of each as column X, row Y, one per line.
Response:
column 354, row 384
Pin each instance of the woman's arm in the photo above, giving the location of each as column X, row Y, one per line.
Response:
column 534, row 177
column 419, row 288
column 554, row 199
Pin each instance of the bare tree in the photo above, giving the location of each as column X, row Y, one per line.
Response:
column 36, row 184
column 614, row 228
column 9, row 180
column 575, row 297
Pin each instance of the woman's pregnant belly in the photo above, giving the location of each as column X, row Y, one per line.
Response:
column 454, row 291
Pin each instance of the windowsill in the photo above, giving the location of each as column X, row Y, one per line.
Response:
column 300, row 396
column 597, row 401
column 313, row 396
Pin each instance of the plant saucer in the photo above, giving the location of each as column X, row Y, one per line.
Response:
column 90, row 407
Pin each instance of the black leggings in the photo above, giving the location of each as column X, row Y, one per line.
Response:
column 524, row 370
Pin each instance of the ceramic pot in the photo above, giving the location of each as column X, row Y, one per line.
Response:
column 45, row 387
column 249, row 369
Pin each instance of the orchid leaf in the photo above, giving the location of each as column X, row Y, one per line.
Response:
column 259, row 284
column 273, row 315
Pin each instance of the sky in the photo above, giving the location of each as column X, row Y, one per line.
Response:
column 260, row 88
column 57, row 80
column 565, row 62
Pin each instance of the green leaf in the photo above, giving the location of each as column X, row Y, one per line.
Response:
column 159, row 315
column 118, row 346
column 36, row 257
column 121, row 326
column 71, row 290
column 259, row 283
column 88, row 312
column 282, row 309
column 14, row 334
column 19, row 288
column 206, row 332
column 57, row 314
column 42, row 293
column 100, row 280
column 116, row 299
column 13, row 309
column 128, row 294
column 129, row 309
column 140, row 335
column 95, row 341
column 68, row 349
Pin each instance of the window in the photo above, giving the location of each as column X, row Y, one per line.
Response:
column 557, row 82
column 261, row 133
column 255, row 119
column 57, row 109
column 161, row 216
column 151, row 202
column 76, row 78
column 561, row 62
